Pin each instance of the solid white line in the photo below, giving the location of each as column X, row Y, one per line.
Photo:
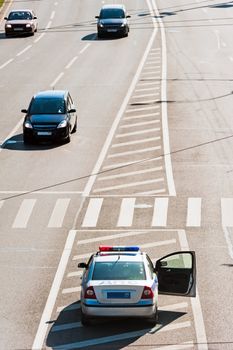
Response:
column 52, row 15
column 155, row 65
column 194, row 212
column 59, row 211
column 109, row 237
column 144, row 150
column 140, row 124
column 116, row 165
column 71, row 62
column 118, row 118
column 46, row 316
column 121, row 144
column 126, row 212
column 57, row 79
column 6, row 63
column 148, row 115
column 137, row 132
column 139, row 172
column 196, row 305
column 84, row 49
column 92, row 212
column 139, row 183
column 227, row 210
column 144, row 95
column 71, row 290
column 141, row 109
column 1, row 203
column 24, row 213
column 229, row 242
column 24, row 50
column 160, row 212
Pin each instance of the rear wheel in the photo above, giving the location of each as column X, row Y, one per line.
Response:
column 75, row 126
column 154, row 318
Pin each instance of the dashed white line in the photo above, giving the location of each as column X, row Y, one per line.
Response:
column 48, row 25
column 6, row 63
column 71, row 62
column 84, row 49
column 24, row 50
column 39, row 38
column 57, row 79
column 52, row 15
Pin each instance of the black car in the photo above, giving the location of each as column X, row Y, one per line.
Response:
column 112, row 20
column 51, row 116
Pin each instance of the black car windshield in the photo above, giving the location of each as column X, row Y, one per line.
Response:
column 47, row 106
column 19, row 15
column 112, row 13
column 119, row 270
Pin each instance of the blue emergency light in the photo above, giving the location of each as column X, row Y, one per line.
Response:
column 104, row 248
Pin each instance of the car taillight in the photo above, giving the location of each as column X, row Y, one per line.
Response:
column 90, row 293
column 147, row 293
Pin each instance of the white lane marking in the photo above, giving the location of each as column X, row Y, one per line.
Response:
column 194, row 212
column 216, row 31
column 47, row 313
column 140, row 132
column 202, row 343
column 181, row 346
column 160, row 212
column 117, row 165
column 166, row 142
column 122, row 336
column 41, row 192
column 1, row 203
column 59, row 211
column 172, row 307
column 229, row 242
column 126, row 212
column 71, row 290
column 144, row 150
column 125, row 126
column 52, row 15
column 109, row 237
column 71, row 62
column 139, row 172
column 121, row 144
column 118, row 117
column 227, row 212
column 141, row 116
column 151, row 72
column 162, row 190
column 92, row 212
column 39, row 37
column 24, row 213
column 156, row 87
column 66, row 326
column 48, row 25
column 127, row 185
column 133, row 110
column 6, row 63
column 158, row 244
column 84, row 49
column 144, row 95
column 74, row 274
column 231, row 58
column 149, row 83
column 24, row 50
column 57, row 79
column 150, row 65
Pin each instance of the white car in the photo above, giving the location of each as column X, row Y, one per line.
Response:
column 123, row 282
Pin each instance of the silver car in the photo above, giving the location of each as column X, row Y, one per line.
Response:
column 123, row 282
column 21, row 22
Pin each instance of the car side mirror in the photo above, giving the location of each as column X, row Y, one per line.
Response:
column 128, row 16
column 72, row 110
column 97, row 16
column 6, row 18
column 24, row 110
column 82, row 265
column 35, row 17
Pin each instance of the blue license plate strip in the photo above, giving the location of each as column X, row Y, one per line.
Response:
column 118, row 295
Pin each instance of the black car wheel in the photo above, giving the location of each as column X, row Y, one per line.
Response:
column 75, row 126
column 85, row 320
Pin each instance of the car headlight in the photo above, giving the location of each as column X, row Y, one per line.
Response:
column 8, row 25
column 28, row 25
column 123, row 25
column 62, row 124
column 101, row 25
column 28, row 125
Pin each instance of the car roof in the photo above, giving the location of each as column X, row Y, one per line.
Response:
column 22, row 10
column 51, row 94
column 112, row 6
column 112, row 257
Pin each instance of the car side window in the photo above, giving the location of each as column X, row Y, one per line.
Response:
column 150, row 266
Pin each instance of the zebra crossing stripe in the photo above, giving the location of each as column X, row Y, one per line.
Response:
column 58, row 213
column 227, row 210
column 126, row 212
column 24, row 213
column 194, row 212
column 92, row 213
column 160, row 212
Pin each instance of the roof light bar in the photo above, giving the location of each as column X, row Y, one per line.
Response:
column 104, row 248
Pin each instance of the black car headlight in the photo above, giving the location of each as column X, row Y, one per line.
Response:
column 28, row 125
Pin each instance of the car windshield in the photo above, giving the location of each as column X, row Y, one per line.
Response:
column 19, row 15
column 119, row 270
column 112, row 13
column 47, row 106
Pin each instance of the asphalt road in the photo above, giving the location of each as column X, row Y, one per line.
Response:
column 150, row 164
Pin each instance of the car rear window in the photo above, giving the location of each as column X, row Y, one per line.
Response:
column 47, row 106
column 112, row 13
column 119, row 270
column 19, row 15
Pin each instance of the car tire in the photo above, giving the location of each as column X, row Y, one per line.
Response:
column 75, row 126
column 154, row 318
column 85, row 320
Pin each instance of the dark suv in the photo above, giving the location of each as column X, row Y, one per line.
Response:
column 112, row 20
column 51, row 116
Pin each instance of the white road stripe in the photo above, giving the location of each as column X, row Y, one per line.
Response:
column 144, row 150
column 132, row 173
column 57, row 79
column 144, row 95
column 137, row 132
column 6, row 63
column 148, row 89
column 84, row 49
column 125, row 126
column 141, row 109
column 24, row 50
column 149, row 83
column 160, row 212
column 71, row 62
column 48, row 25
column 1, row 203
column 162, row 190
column 92, row 213
column 151, row 72
column 121, row 144
column 71, row 290
column 74, row 274
column 142, row 116
column 126, row 212
column 117, row 165
column 154, row 64
column 227, row 212
column 172, row 307
column 24, row 213
column 127, row 185
column 39, row 37
column 52, row 15
column 109, row 237
column 46, row 316
column 194, row 212
column 59, row 211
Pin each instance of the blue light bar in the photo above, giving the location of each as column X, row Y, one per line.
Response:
column 104, row 248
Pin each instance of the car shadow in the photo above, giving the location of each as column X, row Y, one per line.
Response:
column 15, row 143
column 94, row 37
column 67, row 331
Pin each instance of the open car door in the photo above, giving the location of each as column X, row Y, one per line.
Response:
column 176, row 274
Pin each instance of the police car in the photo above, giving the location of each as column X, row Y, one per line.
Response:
column 122, row 281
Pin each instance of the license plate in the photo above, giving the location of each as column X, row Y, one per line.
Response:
column 18, row 29
column 44, row 133
column 118, row 295
column 112, row 30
